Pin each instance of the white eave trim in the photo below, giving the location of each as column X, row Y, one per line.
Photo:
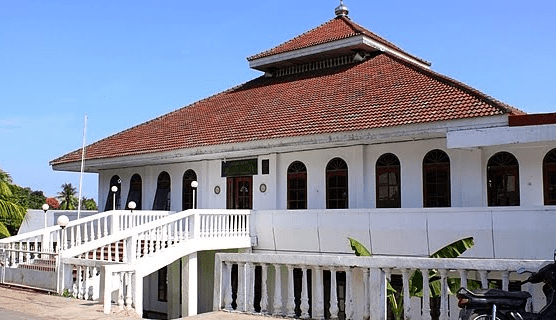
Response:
column 475, row 138
column 351, row 42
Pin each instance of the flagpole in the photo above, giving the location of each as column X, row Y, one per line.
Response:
column 82, row 167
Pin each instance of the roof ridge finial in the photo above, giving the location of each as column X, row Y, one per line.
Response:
column 341, row 10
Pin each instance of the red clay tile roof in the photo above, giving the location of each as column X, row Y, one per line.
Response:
column 383, row 91
column 336, row 29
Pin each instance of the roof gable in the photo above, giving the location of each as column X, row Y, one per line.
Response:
column 337, row 29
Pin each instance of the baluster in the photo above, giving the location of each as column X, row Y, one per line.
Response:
column 484, row 278
column 246, row 229
column 366, row 306
column 175, row 234
column 77, row 285
column 241, row 283
column 426, row 309
column 318, row 305
column 85, row 233
column 250, row 272
column 406, row 296
column 72, row 241
column 105, row 231
column 109, row 252
column 78, row 235
column 349, row 294
column 85, row 283
column 444, row 295
column 463, row 277
column 304, row 294
column 99, row 232
column 121, row 291
column 505, row 280
column 334, row 295
column 290, row 304
column 151, row 241
column 128, row 289
column 228, row 299
column 179, row 230
column 27, row 255
column 116, row 251
column 277, row 305
column 138, row 246
column 264, row 288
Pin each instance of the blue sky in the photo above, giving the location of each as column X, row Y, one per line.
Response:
column 126, row 62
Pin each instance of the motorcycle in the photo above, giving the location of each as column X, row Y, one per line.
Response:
column 489, row 304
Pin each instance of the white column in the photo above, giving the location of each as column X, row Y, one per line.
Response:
column 189, row 285
column 138, row 293
column 174, row 288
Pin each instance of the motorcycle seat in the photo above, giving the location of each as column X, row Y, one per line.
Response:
column 497, row 293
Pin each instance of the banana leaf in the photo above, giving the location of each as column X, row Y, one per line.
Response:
column 358, row 248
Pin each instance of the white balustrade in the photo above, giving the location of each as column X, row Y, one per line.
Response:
column 364, row 290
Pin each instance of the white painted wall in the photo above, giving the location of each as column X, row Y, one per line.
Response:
column 468, row 176
column 499, row 233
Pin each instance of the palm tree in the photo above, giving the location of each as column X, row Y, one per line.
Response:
column 68, row 200
column 11, row 213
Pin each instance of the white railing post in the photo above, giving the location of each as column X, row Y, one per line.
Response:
column 366, row 307
column 406, row 296
column 318, row 296
column 444, row 294
column 377, row 285
column 277, row 304
column 426, row 308
column 250, row 281
column 334, row 295
column 264, row 288
column 304, row 294
column 349, row 294
column 227, row 282
column 290, row 304
column 197, row 225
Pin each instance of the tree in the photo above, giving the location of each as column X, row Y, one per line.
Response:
column 53, row 203
column 88, row 204
column 12, row 213
column 68, row 200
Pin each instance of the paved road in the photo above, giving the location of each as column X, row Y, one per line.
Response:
column 22, row 304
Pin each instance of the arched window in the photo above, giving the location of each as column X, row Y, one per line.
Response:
column 117, row 182
column 337, row 184
column 297, row 186
column 187, row 191
column 549, row 177
column 135, row 192
column 503, row 180
column 388, row 181
column 162, row 195
column 436, row 179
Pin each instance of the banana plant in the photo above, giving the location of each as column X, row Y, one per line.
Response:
column 452, row 250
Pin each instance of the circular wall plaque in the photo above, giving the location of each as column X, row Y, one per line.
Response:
column 217, row 189
column 262, row 187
